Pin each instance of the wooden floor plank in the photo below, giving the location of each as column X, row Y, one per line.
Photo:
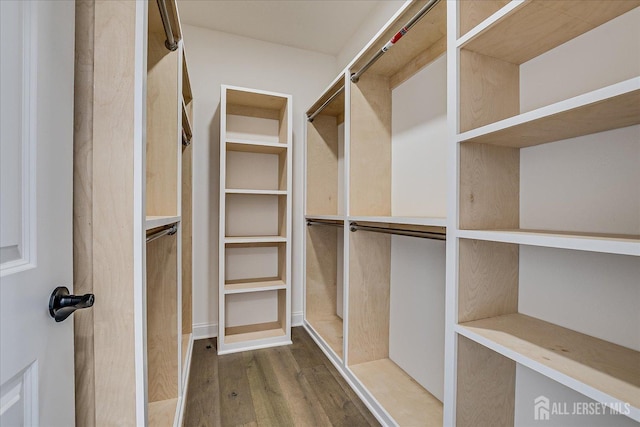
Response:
column 341, row 410
column 308, row 354
column 236, row 402
column 305, row 351
column 269, row 403
column 203, row 395
column 293, row 385
column 304, row 407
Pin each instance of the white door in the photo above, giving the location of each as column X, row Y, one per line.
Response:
column 36, row 154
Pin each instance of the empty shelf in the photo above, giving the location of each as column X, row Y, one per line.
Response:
column 600, row 370
column 237, row 334
column 255, row 239
column 259, row 192
column 592, row 242
column 400, row 395
column 612, row 107
column 253, row 285
column 255, row 146
column 331, row 331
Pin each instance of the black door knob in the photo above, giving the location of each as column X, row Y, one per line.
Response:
column 62, row 305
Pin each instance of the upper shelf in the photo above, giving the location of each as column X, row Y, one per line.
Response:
column 159, row 221
column 422, row 44
column 612, row 107
column 336, row 107
column 522, row 30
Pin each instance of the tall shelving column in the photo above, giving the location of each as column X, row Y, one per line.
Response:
column 255, row 219
column 548, row 237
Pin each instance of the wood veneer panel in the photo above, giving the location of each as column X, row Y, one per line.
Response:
column 538, row 26
column 370, row 174
column 187, row 240
column 322, row 166
column 162, row 318
column 103, row 212
column 489, row 186
column 162, row 128
column 473, row 12
column 486, row 386
column 489, row 90
column 256, row 100
column 321, row 272
column 369, row 293
column 488, row 279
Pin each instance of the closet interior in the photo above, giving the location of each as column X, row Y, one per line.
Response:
column 510, row 129
column 376, row 156
column 255, row 219
column 168, row 181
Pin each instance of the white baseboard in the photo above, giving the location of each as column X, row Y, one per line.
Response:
column 297, row 318
column 205, row 330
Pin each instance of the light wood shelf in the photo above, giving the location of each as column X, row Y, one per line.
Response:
column 159, row 221
column 254, row 239
column 604, row 109
column 253, row 285
column 521, row 31
column 401, row 396
column 250, row 146
column 238, row 334
column 600, row 370
column 325, row 217
column 256, row 192
column 162, row 413
column 593, row 242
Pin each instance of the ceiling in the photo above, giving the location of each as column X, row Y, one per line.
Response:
column 318, row 25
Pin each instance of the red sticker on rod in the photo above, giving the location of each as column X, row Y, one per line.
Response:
column 398, row 35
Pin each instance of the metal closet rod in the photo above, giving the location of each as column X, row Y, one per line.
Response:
column 169, row 231
column 425, row 9
column 171, row 43
column 311, row 222
column 354, row 226
column 312, row 116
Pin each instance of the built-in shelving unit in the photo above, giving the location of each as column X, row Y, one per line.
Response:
column 255, row 219
column 376, row 173
column 547, row 211
column 168, row 202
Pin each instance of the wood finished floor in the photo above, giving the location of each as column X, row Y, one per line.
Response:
column 292, row 385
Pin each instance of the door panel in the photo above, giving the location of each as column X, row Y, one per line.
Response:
column 36, row 353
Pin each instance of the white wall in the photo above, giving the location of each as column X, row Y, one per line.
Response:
column 216, row 58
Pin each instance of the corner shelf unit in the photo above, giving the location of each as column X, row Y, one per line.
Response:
column 546, row 146
column 255, row 219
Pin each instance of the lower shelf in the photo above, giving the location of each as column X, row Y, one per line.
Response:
column 331, row 331
column 162, row 413
column 400, row 395
column 237, row 334
column 586, row 364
